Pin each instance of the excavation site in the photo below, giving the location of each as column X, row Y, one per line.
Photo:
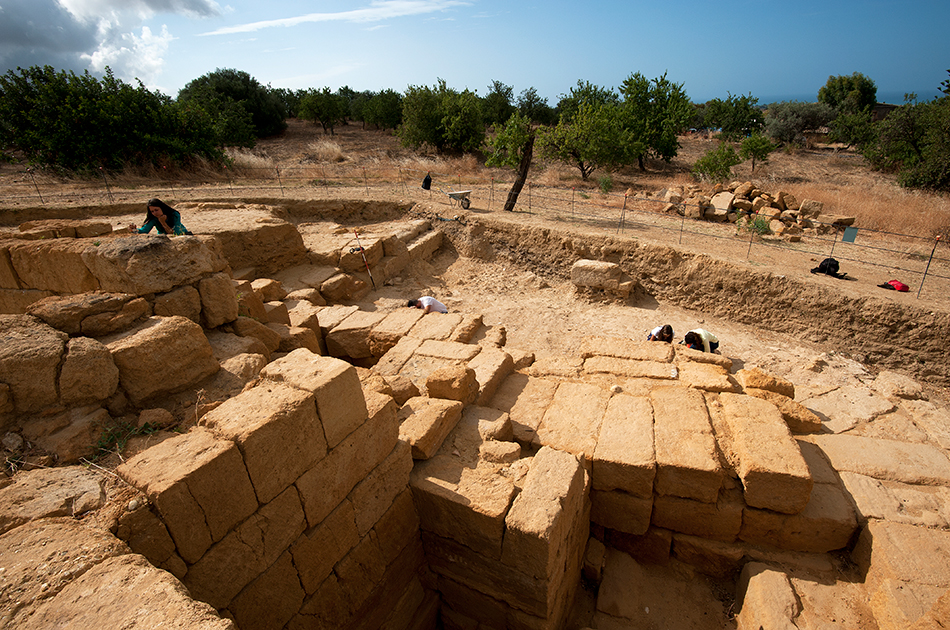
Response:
column 249, row 427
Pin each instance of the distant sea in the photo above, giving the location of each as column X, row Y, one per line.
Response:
column 893, row 98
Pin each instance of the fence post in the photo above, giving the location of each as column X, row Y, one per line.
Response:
column 108, row 190
column 365, row 184
column 280, row 183
column 937, row 242
column 623, row 212
column 572, row 201
column 30, row 171
column 491, row 193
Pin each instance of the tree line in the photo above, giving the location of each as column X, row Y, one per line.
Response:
column 78, row 122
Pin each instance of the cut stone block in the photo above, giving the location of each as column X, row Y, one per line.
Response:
column 889, row 460
column 905, row 553
column 718, row 521
column 595, row 274
column 331, row 316
column 827, row 523
column 492, row 366
column 706, row 376
column 799, row 418
column 572, row 422
column 621, row 511
column 847, row 407
column 629, row 368
column 773, row 472
column 436, row 326
column 449, row 350
column 624, row 348
column 375, row 494
column 271, row 600
column 426, row 422
column 687, row 457
column 351, row 338
column 624, row 458
column 278, row 431
column 766, row 598
column 394, row 326
column 525, row 399
column 397, row 356
column 334, row 384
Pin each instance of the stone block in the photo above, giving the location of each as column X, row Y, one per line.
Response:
column 425, row 423
column 76, row 433
column 525, row 399
column 624, row 458
column 48, row 493
column 8, row 279
column 276, row 313
column 397, row 356
column 53, row 265
column 144, row 533
column 424, row 246
column 219, row 304
column 320, row 547
column 250, row 303
column 492, row 366
column 293, row 338
column 278, row 431
column 353, row 258
column 351, row 338
column 904, row 553
column 706, row 376
column 621, row 511
column 184, row 301
column 254, row 237
column 844, row 408
column 268, row 289
column 247, row 327
column 247, row 551
column 88, row 374
column 572, row 422
column 304, row 314
column 198, row 484
column 623, row 348
column 375, row 494
column 629, row 368
column 393, row 327
column 687, row 457
column 773, row 472
column 343, row 287
column 595, row 274
column 334, row 384
column 331, row 316
column 225, row 345
column 717, row 521
column 799, row 418
column 765, row 598
column 453, row 382
column 758, row 379
column 436, row 326
column 108, row 323
column 174, row 347
column 888, row 460
column 827, row 523
column 29, row 361
column 467, row 328
column 271, row 600
column 397, row 527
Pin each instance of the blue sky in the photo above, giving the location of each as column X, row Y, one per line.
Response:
column 773, row 50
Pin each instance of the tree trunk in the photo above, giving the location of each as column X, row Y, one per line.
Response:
column 523, row 167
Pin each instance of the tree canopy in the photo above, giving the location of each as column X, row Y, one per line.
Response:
column 442, row 118
column 849, row 94
column 736, row 116
column 226, row 93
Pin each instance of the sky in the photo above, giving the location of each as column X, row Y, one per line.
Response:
column 775, row 51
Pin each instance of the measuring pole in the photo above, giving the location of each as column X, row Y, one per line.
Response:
column 363, row 254
column 937, row 242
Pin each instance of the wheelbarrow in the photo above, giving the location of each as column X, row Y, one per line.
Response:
column 460, row 197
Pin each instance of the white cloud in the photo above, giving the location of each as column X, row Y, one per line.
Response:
column 87, row 9
column 132, row 56
column 377, row 11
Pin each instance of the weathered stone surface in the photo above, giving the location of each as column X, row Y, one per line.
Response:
column 199, row 485
column 393, row 327
column 269, row 289
column 492, row 366
column 628, row 368
column 351, row 338
column 525, row 399
column 621, row 511
column 683, row 354
column 302, row 277
column 397, row 356
column 331, row 316
column 453, row 382
column 276, row 313
column 225, row 345
column 219, row 303
column 304, row 314
column 143, row 264
column 623, row 348
column 89, row 374
column 184, row 301
column 887, row 460
column 424, row 423
column 256, row 238
column 595, row 274
column 624, row 458
column 247, row 327
column 343, row 287
column 173, row 347
column 933, row 419
column 108, row 323
column 278, row 431
column 827, row 523
column 293, row 338
column 49, row 492
column 717, row 521
column 572, row 422
column 423, row 247
column 436, row 326
column 926, row 506
column 773, row 472
column 145, row 533
column 67, row 312
column 334, row 384
column 58, row 265
column 686, row 454
column 706, row 376
column 353, row 259
column 272, row 599
column 798, row 417
column 903, row 552
column 894, row 385
column 320, row 548
column 467, row 328
column 69, row 435
column 766, row 598
column 375, row 494
column 844, row 408
column 29, row 360
column 758, row 379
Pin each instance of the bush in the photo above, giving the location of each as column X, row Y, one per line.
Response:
column 753, row 223
column 716, row 164
column 233, row 93
column 606, row 183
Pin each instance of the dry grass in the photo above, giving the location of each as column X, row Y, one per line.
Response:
column 250, row 164
column 326, row 151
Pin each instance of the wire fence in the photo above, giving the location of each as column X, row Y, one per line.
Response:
column 918, row 261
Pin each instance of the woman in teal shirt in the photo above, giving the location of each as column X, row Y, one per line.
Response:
column 163, row 217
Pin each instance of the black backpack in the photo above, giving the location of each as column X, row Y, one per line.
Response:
column 829, row 266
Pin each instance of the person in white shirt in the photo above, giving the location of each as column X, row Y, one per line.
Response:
column 428, row 304
column 701, row 340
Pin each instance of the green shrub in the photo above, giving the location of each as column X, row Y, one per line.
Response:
column 716, row 164
column 606, row 183
column 753, row 223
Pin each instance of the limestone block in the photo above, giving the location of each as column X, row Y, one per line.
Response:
column 352, row 258
column 448, row 350
column 108, row 323
column 897, row 502
column 621, row 511
column 888, row 460
column 143, row 264
column 437, row 326
column 425, row 422
column 247, row 551
column 463, row 502
column 686, row 454
column 304, row 314
column 623, row 348
column 684, row 355
column 628, row 368
column 544, row 515
column 754, row 377
column 300, row 277
column 624, row 458
column 334, row 384
column 423, row 247
column 351, row 338
column 54, row 265
column 766, row 599
column 225, row 345
column 327, row 484
column 465, row 331
column 17, row 302
column 184, row 301
column 723, row 201
column 809, row 208
column 906, row 553
column 293, row 338
column 67, row 312
column 846, row 407
column 78, row 431
column 453, row 382
column 269, row 290
column 706, row 376
column 321, row 547
column 897, row 605
column 120, row 592
column 827, row 523
column 276, row 313
column 8, row 279
column 492, row 366
column 278, row 431
column 219, row 303
column 932, row 418
column 717, row 521
column 88, row 374
column 199, row 485
column 144, row 533
column 174, row 347
column 397, row 356
column 894, row 385
column 343, row 287
column 398, row 526
column 936, row 616
column 256, row 238
column 573, row 420
column 798, row 417
column 375, row 494
column 29, row 361
column 271, row 600
column 331, row 316
column 47, row 493
column 773, row 472
column 595, row 274
column 525, row 399
column 392, row 328
column 247, row 327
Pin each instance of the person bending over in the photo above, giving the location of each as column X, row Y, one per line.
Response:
column 163, row 217
column 661, row 333
column 428, row 304
column 701, row 340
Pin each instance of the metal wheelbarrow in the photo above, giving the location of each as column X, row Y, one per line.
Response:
column 460, row 197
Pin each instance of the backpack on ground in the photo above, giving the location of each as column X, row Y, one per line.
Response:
column 895, row 285
column 829, row 267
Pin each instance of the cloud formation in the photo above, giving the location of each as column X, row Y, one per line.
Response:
column 377, row 11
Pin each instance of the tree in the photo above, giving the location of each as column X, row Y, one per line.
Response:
column 585, row 93
column 324, row 107
column 224, row 90
column 756, row 147
column 716, row 164
column 536, row 108
column 849, row 94
column 442, row 118
column 787, row 122
column 384, row 109
column 736, row 117
column 593, row 138
column 513, row 147
column 654, row 113
column 497, row 104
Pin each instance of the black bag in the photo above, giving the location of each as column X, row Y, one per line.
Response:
column 427, row 182
column 829, row 267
